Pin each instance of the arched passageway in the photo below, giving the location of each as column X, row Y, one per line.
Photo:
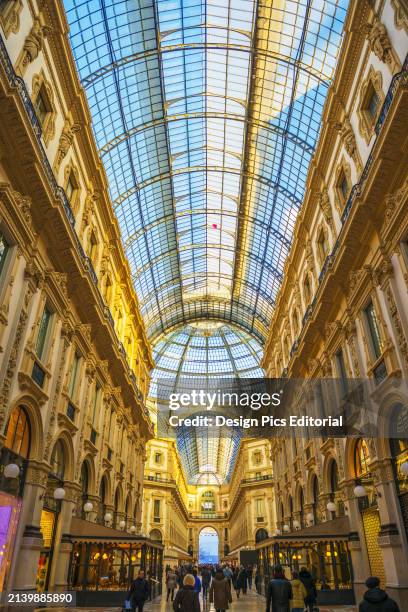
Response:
column 208, row 545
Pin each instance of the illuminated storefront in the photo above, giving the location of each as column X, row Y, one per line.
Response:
column 103, row 568
column 14, row 453
column 328, row 560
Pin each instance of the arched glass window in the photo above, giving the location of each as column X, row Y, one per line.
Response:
column 361, row 458
column 18, row 432
column 58, row 460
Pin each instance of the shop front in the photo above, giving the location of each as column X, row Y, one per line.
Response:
column 326, row 557
column 104, row 563
column 13, row 468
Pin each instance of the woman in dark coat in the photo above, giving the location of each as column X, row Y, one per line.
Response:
column 279, row 592
column 220, row 592
column 187, row 599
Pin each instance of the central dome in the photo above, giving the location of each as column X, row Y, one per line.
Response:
column 207, row 348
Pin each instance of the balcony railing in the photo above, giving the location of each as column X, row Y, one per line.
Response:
column 59, row 193
column 257, row 478
column 161, row 479
column 208, row 515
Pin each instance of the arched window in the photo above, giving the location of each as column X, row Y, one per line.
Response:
column 207, row 502
column 361, row 458
column 18, row 432
column 156, row 535
column 58, row 460
column 261, row 535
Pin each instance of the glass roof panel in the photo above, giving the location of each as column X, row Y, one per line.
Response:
column 206, row 114
column 198, row 351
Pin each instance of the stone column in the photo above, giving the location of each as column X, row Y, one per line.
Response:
column 62, row 546
column 391, row 538
column 358, row 551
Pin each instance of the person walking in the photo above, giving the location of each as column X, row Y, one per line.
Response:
column 171, row 584
column 187, row 600
column 376, row 599
column 310, row 586
column 249, row 571
column 197, row 581
column 139, row 592
column 205, row 581
column 228, row 574
column 299, row 594
column 279, row 592
column 241, row 583
column 220, row 592
column 258, row 582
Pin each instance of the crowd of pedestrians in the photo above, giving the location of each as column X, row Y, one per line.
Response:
column 215, row 583
column 185, row 583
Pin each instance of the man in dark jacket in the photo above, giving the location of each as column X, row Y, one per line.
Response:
column 279, row 592
column 306, row 577
column 241, row 581
column 375, row 599
column 139, row 592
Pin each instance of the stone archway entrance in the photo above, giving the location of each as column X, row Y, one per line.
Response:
column 208, row 545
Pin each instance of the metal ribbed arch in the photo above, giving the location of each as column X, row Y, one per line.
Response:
column 259, row 124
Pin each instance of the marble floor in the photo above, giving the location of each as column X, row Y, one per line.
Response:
column 248, row 603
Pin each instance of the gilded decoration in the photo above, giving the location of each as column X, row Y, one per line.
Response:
column 10, row 16
column 33, row 45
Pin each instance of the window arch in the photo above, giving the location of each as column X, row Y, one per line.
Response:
column 156, row 535
column 208, row 502
column 58, row 460
column 18, row 433
column 261, row 535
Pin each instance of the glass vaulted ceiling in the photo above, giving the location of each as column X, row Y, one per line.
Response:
column 206, row 114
